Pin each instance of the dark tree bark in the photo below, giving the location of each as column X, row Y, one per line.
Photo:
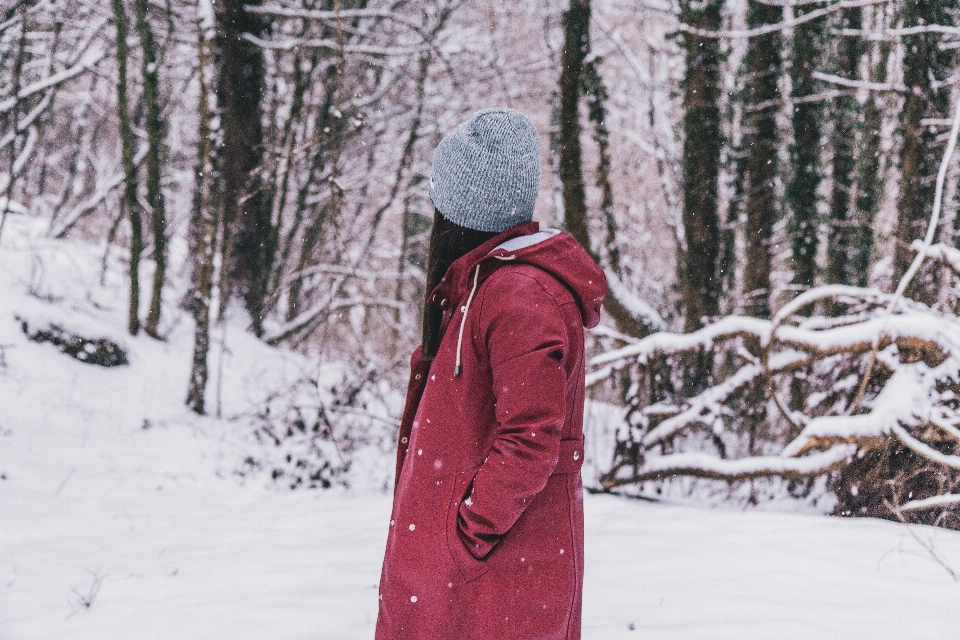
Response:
column 843, row 247
column 923, row 64
column 596, row 93
column 761, row 143
column 801, row 192
column 129, row 170
column 576, row 22
column 701, row 163
column 249, row 236
column 155, row 157
column 869, row 179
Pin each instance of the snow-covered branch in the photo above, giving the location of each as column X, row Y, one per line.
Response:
column 52, row 81
column 940, row 251
column 84, row 208
column 669, row 343
column 923, row 449
column 859, row 84
column 640, row 311
column 332, row 45
column 781, row 26
column 701, row 465
column 932, row 502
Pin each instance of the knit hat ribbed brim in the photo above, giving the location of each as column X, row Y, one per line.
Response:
column 486, row 173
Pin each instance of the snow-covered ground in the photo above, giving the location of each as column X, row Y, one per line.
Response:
column 121, row 517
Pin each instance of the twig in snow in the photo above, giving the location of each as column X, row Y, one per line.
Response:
column 64, row 483
column 928, row 546
column 85, row 601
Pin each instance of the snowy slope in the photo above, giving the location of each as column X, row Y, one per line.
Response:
column 113, row 494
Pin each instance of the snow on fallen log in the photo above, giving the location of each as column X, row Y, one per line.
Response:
column 924, row 331
column 702, row 465
column 920, row 330
column 905, row 396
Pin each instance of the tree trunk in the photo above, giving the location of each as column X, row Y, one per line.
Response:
column 762, row 145
column 151, row 98
column 596, row 93
column 842, row 246
column 249, row 235
column 701, row 163
column 130, row 173
column 923, row 63
column 802, row 191
column 203, row 232
column 576, row 21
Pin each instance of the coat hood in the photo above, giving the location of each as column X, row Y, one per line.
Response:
column 552, row 250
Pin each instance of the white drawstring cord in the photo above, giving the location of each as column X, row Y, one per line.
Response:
column 457, row 369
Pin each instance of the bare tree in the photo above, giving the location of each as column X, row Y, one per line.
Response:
column 129, row 170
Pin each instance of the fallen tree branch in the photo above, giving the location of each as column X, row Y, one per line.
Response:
column 701, row 465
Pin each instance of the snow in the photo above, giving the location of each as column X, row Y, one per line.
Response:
column 112, row 493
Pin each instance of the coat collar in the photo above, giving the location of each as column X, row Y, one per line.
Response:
column 457, row 281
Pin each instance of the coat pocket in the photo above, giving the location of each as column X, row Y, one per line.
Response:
column 470, row 568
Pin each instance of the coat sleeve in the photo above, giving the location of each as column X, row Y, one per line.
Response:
column 527, row 342
column 418, row 380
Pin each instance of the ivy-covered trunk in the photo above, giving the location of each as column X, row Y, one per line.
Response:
column 802, row 191
column 843, row 244
column 761, row 142
column 701, row 163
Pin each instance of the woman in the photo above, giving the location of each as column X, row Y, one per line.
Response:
column 486, row 535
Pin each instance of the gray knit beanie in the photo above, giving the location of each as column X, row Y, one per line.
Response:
column 486, row 173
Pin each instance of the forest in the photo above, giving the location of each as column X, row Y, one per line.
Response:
column 769, row 185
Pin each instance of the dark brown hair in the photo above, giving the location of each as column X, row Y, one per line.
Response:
column 448, row 241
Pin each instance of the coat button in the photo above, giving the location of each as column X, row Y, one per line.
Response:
column 444, row 303
column 417, row 377
column 404, row 440
column 576, row 455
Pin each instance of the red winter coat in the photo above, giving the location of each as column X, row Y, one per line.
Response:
column 486, row 536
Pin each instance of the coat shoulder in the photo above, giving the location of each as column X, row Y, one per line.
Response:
column 519, row 281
